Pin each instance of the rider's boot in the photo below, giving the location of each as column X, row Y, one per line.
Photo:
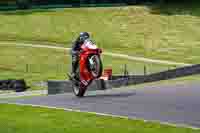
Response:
column 73, row 75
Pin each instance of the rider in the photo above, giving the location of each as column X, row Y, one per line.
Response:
column 76, row 49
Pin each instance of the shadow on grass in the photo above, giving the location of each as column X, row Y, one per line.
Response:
column 25, row 12
column 53, row 8
column 182, row 7
column 189, row 7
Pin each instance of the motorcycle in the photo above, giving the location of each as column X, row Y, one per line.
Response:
column 90, row 68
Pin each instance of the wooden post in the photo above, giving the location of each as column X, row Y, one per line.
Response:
column 26, row 68
column 145, row 70
column 168, row 68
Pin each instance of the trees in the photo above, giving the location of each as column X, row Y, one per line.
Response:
column 23, row 4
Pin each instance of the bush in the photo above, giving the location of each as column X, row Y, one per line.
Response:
column 180, row 1
column 23, row 4
column 131, row 2
column 7, row 2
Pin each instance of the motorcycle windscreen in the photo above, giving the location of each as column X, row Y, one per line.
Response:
column 88, row 44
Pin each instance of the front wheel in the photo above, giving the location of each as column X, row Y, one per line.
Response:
column 95, row 66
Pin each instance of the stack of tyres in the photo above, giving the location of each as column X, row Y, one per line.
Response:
column 16, row 85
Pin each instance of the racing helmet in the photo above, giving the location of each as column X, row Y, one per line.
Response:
column 84, row 36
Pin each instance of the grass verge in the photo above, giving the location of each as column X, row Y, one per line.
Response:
column 26, row 119
column 167, row 33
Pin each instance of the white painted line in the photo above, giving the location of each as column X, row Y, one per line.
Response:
column 23, row 94
column 109, row 115
column 35, row 45
column 147, row 59
column 134, row 58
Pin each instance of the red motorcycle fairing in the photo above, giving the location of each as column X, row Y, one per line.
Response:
column 90, row 67
column 85, row 75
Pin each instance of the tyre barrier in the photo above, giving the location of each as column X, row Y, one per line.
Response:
column 16, row 85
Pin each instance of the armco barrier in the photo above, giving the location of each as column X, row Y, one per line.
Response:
column 170, row 74
column 64, row 86
column 55, row 87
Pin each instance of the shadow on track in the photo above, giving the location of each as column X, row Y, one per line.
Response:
column 114, row 95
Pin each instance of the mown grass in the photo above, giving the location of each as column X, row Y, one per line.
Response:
column 25, row 119
column 42, row 64
column 168, row 33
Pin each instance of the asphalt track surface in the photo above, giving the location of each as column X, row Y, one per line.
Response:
column 176, row 104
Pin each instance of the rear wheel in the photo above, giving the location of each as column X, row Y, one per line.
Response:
column 95, row 66
column 78, row 90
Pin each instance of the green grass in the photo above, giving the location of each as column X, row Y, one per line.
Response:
column 41, row 64
column 25, row 119
column 168, row 33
